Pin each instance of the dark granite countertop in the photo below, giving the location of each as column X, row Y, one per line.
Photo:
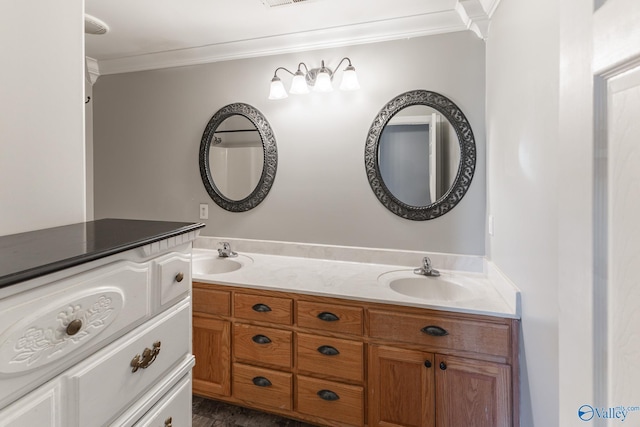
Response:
column 25, row 256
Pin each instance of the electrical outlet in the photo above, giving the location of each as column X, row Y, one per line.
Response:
column 204, row 211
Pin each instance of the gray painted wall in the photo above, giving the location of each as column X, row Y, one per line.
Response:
column 148, row 125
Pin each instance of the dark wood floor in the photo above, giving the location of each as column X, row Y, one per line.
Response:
column 210, row 413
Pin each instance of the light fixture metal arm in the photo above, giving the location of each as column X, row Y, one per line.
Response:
column 275, row 73
column 342, row 60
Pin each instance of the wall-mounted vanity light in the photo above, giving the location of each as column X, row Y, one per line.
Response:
column 319, row 79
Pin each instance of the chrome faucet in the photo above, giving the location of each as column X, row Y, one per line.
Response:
column 426, row 269
column 225, row 251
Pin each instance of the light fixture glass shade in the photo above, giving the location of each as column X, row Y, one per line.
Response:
column 323, row 82
column 299, row 84
column 349, row 79
column 277, row 90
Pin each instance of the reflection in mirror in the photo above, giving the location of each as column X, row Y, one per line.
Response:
column 236, row 157
column 420, row 155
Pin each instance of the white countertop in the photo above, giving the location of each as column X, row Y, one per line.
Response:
column 493, row 295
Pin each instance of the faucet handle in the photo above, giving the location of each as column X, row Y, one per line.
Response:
column 426, row 263
column 225, row 245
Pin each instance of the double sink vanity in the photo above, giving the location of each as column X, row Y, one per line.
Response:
column 101, row 322
column 353, row 343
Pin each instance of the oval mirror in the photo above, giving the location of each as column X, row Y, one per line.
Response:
column 420, row 155
column 238, row 157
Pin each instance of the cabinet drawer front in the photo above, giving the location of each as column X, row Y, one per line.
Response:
column 466, row 335
column 262, row 308
column 330, row 400
column 330, row 317
column 330, row 356
column 47, row 329
column 105, row 384
column 263, row 386
column 174, row 273
column 257, row 344
column 174, row 409
column 211, row 301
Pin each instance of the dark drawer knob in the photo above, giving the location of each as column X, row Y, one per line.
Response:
column 327, row 350
column 261, row 339
column 434, row 331
column 427, row 363
column 168, row 422
column 328, row 317
column 328, row 395
column 261, row 382
column 261, row 308
column 179, row 277
column 443, row 366
column 74, row 327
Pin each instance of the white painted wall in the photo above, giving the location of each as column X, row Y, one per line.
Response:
column 523, row 63
column 148, row 126
column 540, row 151
column 42, row 177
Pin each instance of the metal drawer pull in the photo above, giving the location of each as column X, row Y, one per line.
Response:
column 261, row 308
column 427, row 363
column 261, row 382
column 328, row 395
column 168, row 422
column 434, row 331
column 148, row 357
column 261, row 339
column 74, row 327
column 179, row 277
column 327, row 350
column 328, row 317
column 443, row 366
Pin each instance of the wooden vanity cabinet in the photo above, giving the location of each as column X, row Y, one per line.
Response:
column 211, row 341
column 464, row 379
column 336, row 362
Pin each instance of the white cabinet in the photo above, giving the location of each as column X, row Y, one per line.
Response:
column 109, row 344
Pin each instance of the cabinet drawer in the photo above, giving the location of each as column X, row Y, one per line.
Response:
column 333, row 357
column 174, row 273
column 330, row 317
column 46, row 329
column 105, row 384
column 263, row 386
column 257, row 344
column 262, row 308
column 211, row 301
column 330, row 400
column 174, row 409
column 466, row 335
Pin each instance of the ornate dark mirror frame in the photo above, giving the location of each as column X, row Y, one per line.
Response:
column 269, row 149
column 466, row 166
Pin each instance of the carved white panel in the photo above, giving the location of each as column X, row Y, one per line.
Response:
column 37, row 341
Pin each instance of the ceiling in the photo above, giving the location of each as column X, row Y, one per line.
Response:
column 150, row 34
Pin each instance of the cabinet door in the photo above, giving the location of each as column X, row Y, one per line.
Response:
column 472, row 393
column 401, row 387
column 212, row 349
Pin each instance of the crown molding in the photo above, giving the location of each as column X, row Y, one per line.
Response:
column 474, row 15
column 371, row 32
column 93, row 69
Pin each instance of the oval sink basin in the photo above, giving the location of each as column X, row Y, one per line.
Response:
column 204, row 265
column 428, row 288
column 431, row 288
